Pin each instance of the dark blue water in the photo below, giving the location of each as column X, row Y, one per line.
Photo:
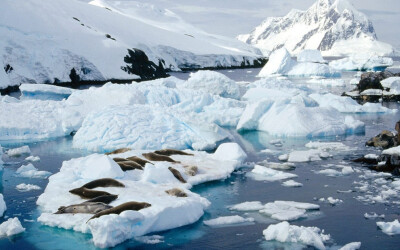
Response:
column 344, row 222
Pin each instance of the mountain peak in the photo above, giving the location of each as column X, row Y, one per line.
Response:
column 321, row 27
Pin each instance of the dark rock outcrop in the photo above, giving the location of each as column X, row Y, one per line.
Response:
column 139, row 64
column 385, row 139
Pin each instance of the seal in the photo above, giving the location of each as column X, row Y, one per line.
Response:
column 104, row 182
column 177, row 174
column 138, row 160
column 86, row 193
column 132, row 205
column 106, row 199
column 176, row 192
column 191, row 170
column 119, row 151
column 156, row 157
column 129, row 165
column 119, row 159
column 83, row 208
column 169, row 152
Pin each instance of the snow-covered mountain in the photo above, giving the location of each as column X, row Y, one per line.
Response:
column 334, row 27
column 50, row 41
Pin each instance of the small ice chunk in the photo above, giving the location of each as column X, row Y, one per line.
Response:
column 326, row 146
column 11, row 227
column 230, row 152
column 227, row 220
column 287, row 210
column 3, row 206
column 16, row 152
column 390, row 228
column 371, row 156
column 283, row 157
column 305, row 156
column 248, row 206
column 27, row 187
column 392, row 151
column 261, row 173
column 331, row 201
column 284, row 232
column 29, row 171
column 151, row 239
column 373, row 215
column 351, row 246
column 292, row 183
column 32, row 158
column 346, row 170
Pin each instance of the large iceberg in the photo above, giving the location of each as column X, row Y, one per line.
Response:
column 362, row 62
column 44, row 92
column 280, row 62
column 166, row 211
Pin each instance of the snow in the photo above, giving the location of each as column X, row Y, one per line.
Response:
column 230, row 151
column 328, row 82
column 44, row 92
column 279, row 62
column 390, row 82
column 30, row 171
column 351, row 246
column 305, row 156
column 287, row 210
column 32, row 158
column 144, row 186
column 248, row 206
column 261, row 173
column 27, row 187
column 227, row 220
column 371, row 92
column 395, row 151
column 327, row 146
column 307, row 69
column 284, row 232
column 361, row 62
column 389, row 228
column 291, row 183
column 11, row 227
column 57, row 36
column 3, row 206
column 283, row 157
column 15, row 152
column 310, row 55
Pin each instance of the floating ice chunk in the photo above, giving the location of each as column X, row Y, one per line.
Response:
column 261, row 173
column 331, row 201
column 3, row 206
column 292, row 183
column 15, row 152
column 310, row 55
column 373, row 216
column 29, row 171
column 388, row 82
column 351, row 246
column 313, row 69
column 284, row 232
column 44, row 91
column 280, row 62
column 287, row 210
column 326, row 146
column 279, row 166
column 27, row 187
column 252, row 114
column 300, row 205
column 390, row 228
column 11, row 227
column 305, row 156
column 346, row 170
column 392, row 151
column 145, row 127
column 248, row 206
column 372, row 92
column 230, row 152
column 32, row 158
column 362, row 62
column 214, row 83
column 151, row 239
column 227, row 220
column 283, row 157
column 328, row 82
column 371, row 156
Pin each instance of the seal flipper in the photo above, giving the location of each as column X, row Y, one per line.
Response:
column 60, row 210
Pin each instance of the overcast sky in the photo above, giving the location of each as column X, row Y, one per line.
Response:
column 233, row 17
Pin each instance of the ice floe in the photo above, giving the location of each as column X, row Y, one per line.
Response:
column 351, row 246
column 287, row 210
column 227, row 220
column 331, row 201
column 30, row 171
column 343, row 171
column 390, row 228
column 284, row 232
column 32, row 158
column 248, row 206
column 11, row 227
column 374, row 215
column 166, row 211
column 362, row 62
column 261, row 173
column 44, row 92
column 15, row 152
column 27, row 187
column 3, row 206
column 291, row 183
column 150, row 239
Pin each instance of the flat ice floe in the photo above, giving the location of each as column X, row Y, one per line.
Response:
column 30, row 171
column 390, row 228
column 27, row 187
column 284, row 232
column 228, row 220
column 287, row 210
column 291, row 183
column 351, row 246
column 166, row 211
column 11, row 227
column 15, row 152
column 248, row 206
column 261, row 173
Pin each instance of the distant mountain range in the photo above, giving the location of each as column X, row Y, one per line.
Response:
column 334, row 27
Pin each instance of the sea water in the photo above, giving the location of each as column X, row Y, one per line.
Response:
column 345, row 222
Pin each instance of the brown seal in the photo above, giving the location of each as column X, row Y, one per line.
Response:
column 104, row 182
column 176, row 192
column 191, row 170
column 156, row 157
column 169, row 152
column 119, row 151
column 177, row 174
column 119, row 159
column 138, row 160
column 83, row 208
column 132, row 205
column 106, row 199
column 86, row 193
column 129, row 165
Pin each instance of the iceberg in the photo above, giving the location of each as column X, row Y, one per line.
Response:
column 362, row 63
column 310, row 55
column 16, row 152
column 280, row 62
column 44, row 92
column 11, row 227
column 29, row 171
column 389, row 228
column 308, row 69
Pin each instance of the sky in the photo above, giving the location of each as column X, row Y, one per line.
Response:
column 234, row 17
